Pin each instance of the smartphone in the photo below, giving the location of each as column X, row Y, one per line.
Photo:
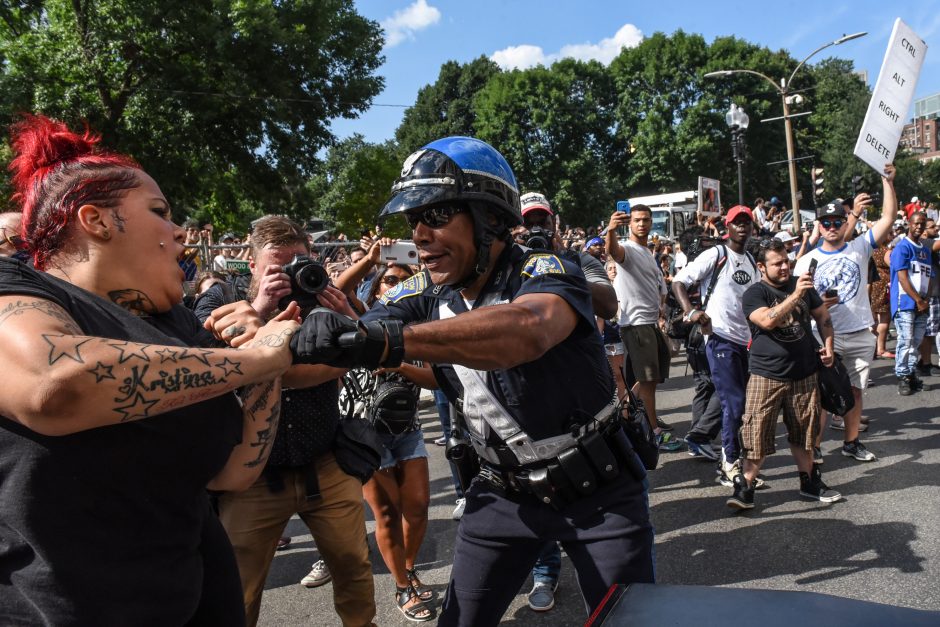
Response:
column 812, row 265
column 400, row 252
column 623, row 206
column 831, row 293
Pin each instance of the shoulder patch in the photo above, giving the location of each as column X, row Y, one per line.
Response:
column 542, row 263
column 412, row 286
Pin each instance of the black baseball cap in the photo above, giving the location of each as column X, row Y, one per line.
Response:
column 835, row 209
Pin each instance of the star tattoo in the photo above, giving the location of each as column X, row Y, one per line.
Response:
column 129, row 350
column 59, row 348
column 102, row 372
column 167, row 354
column 228, row 367
column 199, row 354
column 137, row 409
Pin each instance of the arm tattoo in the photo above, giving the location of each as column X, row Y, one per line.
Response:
column 64, row 346
column 273, row 341
column 42, row 306
column 135, row 301
column 773, row 313
column 265, row 436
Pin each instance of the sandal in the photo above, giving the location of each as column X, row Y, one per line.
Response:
column 425, row 593
column 417, row 612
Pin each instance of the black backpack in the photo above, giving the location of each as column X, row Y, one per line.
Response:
column 394, row 407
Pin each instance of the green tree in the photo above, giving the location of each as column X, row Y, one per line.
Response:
column 445, row 107
column 354, row 183
column 553, row 126
column 225, row 102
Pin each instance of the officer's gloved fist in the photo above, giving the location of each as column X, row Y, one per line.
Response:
column 327, row 337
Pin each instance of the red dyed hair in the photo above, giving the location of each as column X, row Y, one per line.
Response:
column 56, row 171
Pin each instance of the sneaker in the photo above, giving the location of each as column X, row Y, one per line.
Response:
column 542, row 596
column 857, row 450
column 317, row 576
column 916, row 383
column 904, row 386
column 703, row 450
column 812, row 487
column 441, row 441
column 743, row 497
column 838, row 424
column 924, row 369
column 458, row 511
column 665, row 426
column 727, row 473
column 667, row 442
column 817, row 455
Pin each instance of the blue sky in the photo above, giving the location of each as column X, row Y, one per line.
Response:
column 423, row 34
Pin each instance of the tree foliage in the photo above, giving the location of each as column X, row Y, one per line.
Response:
column 225, row 102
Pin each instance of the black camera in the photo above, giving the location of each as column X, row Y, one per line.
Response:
column 307, row 279
column 539, row 238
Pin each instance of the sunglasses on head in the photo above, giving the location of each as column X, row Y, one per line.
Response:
column 832, row 224
column 434, row 217
column 391, row 280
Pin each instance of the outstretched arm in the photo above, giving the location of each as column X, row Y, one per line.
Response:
column 60, row 381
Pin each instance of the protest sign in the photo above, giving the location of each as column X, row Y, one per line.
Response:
column 881, row 131
column 709, row 202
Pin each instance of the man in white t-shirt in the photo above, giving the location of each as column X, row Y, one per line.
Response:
column 841, row 278
column 641, row 294
column 724, row 273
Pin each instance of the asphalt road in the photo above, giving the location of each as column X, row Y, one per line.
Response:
column 881, row 543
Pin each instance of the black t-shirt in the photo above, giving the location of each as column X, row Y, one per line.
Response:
column 787, row 353
column 112, row 526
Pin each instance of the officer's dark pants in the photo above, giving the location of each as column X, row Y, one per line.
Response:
column 607, row 535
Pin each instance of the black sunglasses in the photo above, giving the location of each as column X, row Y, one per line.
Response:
column 15, row 241
column 832, row 224
column 434, row 217
column 391, row 280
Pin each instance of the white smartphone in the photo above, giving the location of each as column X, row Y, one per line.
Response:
column 404, row 252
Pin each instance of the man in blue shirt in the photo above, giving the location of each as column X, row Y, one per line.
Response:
column 910, row 276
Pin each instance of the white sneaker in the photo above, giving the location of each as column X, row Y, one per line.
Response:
column 458, row 511
column 318, row 576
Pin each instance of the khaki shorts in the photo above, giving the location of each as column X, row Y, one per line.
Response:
column 648, row 351
column 856, row 351
column 765, row 398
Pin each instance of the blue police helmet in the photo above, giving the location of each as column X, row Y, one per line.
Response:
column 455, row 169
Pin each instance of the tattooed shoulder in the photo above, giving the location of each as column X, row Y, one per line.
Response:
column 50, row 309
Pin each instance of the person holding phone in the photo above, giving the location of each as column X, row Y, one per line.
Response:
column 842, row 278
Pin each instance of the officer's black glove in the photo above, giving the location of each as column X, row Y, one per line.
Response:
column 330, row 338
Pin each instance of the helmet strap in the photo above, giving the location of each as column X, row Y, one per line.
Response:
column 484, row 234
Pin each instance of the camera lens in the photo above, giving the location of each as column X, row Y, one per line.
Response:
column 312, row 278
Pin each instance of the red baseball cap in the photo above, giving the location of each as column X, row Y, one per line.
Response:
column 533, row 201
column 737, row 210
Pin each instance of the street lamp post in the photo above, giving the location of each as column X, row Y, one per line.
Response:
column 737, row 121
column 784, row 90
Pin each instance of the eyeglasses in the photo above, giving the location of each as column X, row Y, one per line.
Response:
column 832, row 224
column 391, row 280
column 434, row 217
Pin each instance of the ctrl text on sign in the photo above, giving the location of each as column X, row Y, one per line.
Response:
column 881, row 148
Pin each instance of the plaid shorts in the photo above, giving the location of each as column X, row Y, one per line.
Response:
column 933, row 316
column 765, row 398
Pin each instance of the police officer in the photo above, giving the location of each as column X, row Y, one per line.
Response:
column 517, row 330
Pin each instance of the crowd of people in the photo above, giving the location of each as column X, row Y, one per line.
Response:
column 206, row 426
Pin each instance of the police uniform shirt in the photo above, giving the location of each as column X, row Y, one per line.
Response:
column 569, row 384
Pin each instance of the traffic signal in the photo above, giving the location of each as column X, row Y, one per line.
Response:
column 817, row 175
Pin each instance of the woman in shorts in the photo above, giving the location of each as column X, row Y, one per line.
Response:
column 399, row 492
column 613, row 343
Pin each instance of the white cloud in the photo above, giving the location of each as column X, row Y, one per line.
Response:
column 404, row 23
column 519, row 57
column 604, row 51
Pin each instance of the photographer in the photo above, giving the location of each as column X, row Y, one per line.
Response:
column 302, row 475
column 518, row 329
